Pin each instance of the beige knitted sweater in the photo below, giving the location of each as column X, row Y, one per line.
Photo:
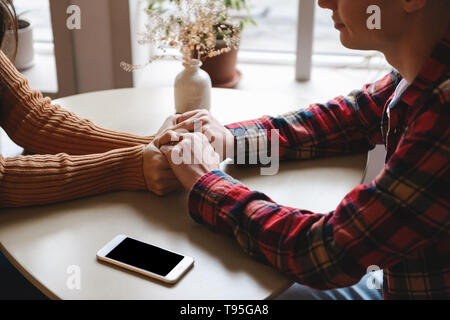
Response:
column 74, row 157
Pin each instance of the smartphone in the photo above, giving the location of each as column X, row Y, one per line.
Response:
column 145, row 258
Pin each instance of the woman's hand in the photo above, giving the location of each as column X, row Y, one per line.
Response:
column 191, row 157
column 158, row 175
column 221, row 139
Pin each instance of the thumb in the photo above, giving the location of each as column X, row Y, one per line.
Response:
column 166, row 138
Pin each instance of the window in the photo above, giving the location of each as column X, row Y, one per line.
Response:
column 276, row 29
column 272, row 42
column 38, row 13
column 275, row 37
column 42, row 75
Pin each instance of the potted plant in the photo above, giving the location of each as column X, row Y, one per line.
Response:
column 221, row 68
column 24, row 58
column 191, row 27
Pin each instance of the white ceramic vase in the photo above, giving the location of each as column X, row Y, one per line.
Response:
column 25, row 52
column 192, row 88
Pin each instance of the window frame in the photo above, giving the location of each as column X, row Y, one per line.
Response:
column 305, row 36
column 304, row 58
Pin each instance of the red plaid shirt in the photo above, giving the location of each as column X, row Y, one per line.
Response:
column 399, row 222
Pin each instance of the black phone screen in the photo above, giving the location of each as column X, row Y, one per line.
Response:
column 145, row 256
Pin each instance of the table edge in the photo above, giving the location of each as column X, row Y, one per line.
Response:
column 51, row 295
column 28, row 276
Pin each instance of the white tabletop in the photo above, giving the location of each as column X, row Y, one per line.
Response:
column 43, row 242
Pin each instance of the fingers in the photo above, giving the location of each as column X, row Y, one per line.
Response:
column 162, row 182
column 187, row 122
column 191, row 146
column 168, row 123
column 166, row 150
column 190, row 125
column 167, row 187
column 168, row 137
column 176, row 155
column 194, row 113
column 162, row 175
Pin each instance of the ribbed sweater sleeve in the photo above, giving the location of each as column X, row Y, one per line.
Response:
column 39, row 126
column 42, row 179
column 81, row 159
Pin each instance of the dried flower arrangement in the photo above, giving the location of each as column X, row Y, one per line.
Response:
column 234, row 5
column 190, row 26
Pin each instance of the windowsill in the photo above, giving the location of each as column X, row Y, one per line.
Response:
column 369, row 61
column 326, row 81
column 42, row 75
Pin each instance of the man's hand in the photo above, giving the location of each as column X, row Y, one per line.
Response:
column 158, row 175
column 169, row 123
column 190, row 158
column 221, row 139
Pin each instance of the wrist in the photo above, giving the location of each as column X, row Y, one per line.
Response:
column 129, row 169
column 197, row 177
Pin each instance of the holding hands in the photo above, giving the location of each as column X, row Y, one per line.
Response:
column 220, row 138
column 191, row 158
column 185, row 148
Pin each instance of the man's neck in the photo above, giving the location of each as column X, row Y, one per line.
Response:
column 409, row 54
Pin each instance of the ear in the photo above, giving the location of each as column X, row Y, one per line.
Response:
column 411, row 6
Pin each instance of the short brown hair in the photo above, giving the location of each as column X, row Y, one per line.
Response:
column 8, row 21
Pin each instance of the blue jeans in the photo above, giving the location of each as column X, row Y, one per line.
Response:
column 359, row 291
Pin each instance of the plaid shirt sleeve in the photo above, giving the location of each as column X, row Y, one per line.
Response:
column 403, row 210
column 344, row 125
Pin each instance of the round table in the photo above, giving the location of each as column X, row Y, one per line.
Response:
column 52, row 244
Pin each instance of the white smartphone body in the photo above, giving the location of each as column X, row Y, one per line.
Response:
column 145, row 258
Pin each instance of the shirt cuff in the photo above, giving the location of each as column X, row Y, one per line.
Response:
column 207, row 201
column 251, row 140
